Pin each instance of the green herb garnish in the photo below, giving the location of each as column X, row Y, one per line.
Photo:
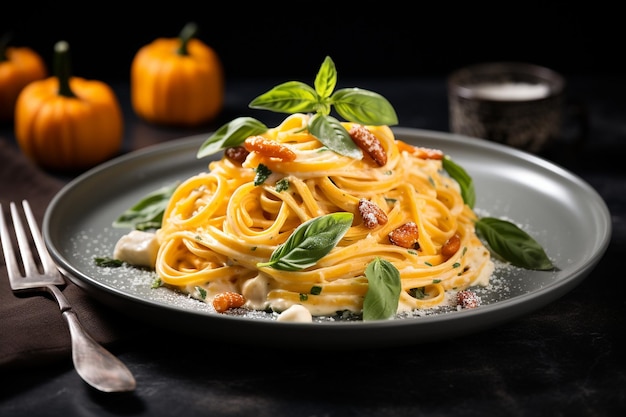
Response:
column 282, row 185
column 201, row 292
column 156, row 283
column 108, row 262
column 513, row 244
column 148, row 212
column 418, row 293
column 316, row 290
column 262, row 173
column 505, row 239
column 230, row 135
column 462, row 177
column 383, row 293
column 310, row 242
column 353, row 104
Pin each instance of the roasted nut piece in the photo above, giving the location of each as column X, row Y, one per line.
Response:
column 420, row 152
column 369, row 143
column 236, row 154
column 467, row 299
column 428, row 153
column 451, row 246
column 269, row 148
column 372, row 215
column 227, row 300
column 405, row 236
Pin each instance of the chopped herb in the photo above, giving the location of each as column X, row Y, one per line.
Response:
column 456, row 265
column 436, row 281
column 316, row 290
column 201, row 292
column 262, row 173
column 418, row 293
column 282, row 184
column 156, row 283
column 304, row 297
column 108, row 262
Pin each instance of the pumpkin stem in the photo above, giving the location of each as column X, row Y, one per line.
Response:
column 4, row 42
column 188, row 32
column 62, row 68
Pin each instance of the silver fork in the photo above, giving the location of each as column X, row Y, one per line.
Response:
column 95, row 365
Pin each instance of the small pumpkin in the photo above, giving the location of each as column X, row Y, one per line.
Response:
column 68, row 123
column 177, row 81
column 18, row 67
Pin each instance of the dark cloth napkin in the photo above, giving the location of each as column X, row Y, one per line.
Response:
column 32, row 330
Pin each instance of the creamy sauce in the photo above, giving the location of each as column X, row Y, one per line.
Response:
column 137, row 248
column 296, row 313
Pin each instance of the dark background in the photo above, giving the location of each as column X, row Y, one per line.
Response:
column 564, row 359
column 370, row 39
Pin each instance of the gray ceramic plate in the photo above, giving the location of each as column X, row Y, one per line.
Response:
column 562, row 212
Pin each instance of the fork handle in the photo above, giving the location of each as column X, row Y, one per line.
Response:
column 95, row 365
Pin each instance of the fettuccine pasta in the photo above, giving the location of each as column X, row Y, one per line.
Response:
column 220, row 224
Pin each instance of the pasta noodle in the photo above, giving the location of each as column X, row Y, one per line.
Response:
column 220, row 224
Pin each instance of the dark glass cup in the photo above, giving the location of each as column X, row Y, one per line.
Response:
column 513, row 103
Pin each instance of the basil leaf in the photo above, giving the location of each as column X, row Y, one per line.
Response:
column 326, row 78
column 513, row 244
column 310, row 242
column 231, row 134
column 148, row 212
column 289, row 97
column 364, row 107
column 354, row 105
column 466, row 183
column 383, row 294
column 334, row 136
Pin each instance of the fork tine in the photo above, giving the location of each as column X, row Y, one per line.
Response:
column 47, row 263
column 23, row 243
column 7, row 247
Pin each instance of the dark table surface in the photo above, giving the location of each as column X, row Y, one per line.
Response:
column 565, row 359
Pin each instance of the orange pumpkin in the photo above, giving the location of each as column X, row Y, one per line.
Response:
column 177, row 81
column 68, row 123
column 18, row 67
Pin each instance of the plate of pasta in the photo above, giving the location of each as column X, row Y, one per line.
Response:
column 322, row 233
column 223, row 231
